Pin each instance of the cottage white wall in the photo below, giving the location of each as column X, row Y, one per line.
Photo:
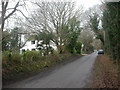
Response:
column 29, row 46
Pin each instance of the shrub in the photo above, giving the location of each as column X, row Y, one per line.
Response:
column 70, row 48
column 11, row 57
column 31, row 56
column 5, row 56
column 10, row 60
column 16, row 57
column 78, row 47
column 5, row 59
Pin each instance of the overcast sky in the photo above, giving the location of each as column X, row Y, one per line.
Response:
column 85, row 3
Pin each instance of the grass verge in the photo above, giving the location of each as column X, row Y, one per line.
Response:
column 20, row 71
column 106, row 73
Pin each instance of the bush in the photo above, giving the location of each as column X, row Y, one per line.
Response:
column 78, row 47
column 16, row 57
column 5, row 59
column 31, row 56
column 11, row 57
column 10, row 60
column 70, row 48
column 5, row 56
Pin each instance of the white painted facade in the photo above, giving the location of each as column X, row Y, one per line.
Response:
column 32, row 45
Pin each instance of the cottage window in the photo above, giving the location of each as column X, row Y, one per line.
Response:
column 23, row 50
column 32, row 42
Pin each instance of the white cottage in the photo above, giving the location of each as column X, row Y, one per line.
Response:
column 32, row 45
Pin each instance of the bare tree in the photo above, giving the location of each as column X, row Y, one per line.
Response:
column 54, row 17
column 8, row 11
column 97, row 44
column 4, row 10
column 86, row 37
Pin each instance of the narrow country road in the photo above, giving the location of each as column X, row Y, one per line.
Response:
column 75, row 74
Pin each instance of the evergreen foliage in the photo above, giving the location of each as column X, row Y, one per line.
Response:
column 111, row 25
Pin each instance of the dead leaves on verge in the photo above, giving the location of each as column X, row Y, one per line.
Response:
column 105, row 73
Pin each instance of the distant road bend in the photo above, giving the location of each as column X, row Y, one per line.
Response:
column 75, row 74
